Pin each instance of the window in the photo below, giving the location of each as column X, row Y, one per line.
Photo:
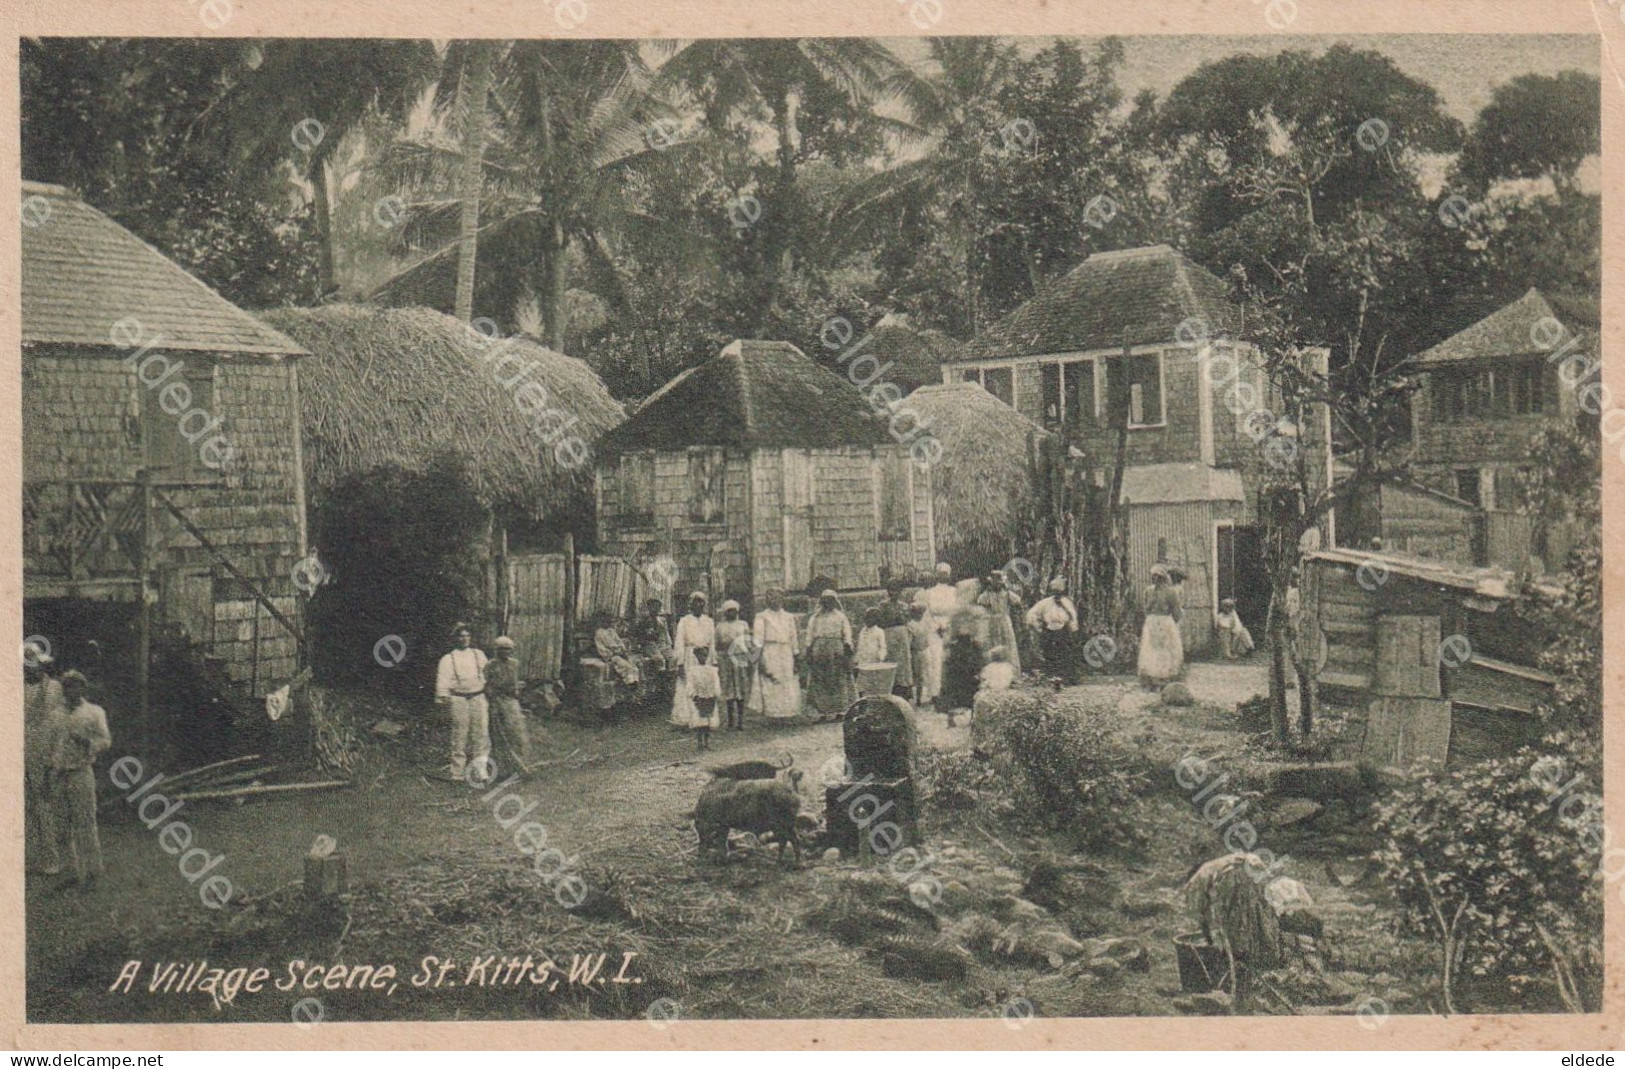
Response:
column 971, row 374
column 1078, row 389
column 1528, row 388
column 1467, row 486
column 999, row 382
column 706, row 468
column 178, row 406
column 637, row 487
column 1050, row 394
column 892, row 512
column 1511, row 389
column 1135, row 383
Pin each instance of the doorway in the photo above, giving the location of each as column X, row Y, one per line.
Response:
column 1239, row 572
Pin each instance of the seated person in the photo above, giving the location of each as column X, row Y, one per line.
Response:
column 613, row 650
column 651, row 638
column 1234, row 638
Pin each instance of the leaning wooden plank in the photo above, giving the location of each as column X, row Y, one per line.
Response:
column 270, row 788
column 190, row 774
column 212, row 782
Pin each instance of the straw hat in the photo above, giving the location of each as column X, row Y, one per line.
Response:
column 504, row 643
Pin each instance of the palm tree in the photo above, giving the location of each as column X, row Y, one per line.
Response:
column 734, row 79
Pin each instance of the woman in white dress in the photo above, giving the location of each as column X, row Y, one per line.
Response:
column 778, row 692
column 693, row 631
column 940, row 602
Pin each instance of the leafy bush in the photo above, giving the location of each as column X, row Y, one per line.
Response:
column 955, row 779
column 1499, row 863
column 1063, row 765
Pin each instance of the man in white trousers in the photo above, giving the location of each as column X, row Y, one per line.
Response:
column 460, row 686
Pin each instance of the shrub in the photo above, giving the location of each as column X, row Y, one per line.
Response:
column 955, row 779
column 1066, row 768
column 1497, row 864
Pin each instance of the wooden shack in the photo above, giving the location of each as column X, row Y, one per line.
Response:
column 1431, row 651
column 163, row 500
column 761, row 469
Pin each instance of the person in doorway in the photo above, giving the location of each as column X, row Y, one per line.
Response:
column 701, row 681
column 696, row 630
column 1000, row 602
column 1162, row 650
column 45, row 710
column 777, row 640
column 736, row 664
column 460, row 689
column 828, row 656
column 1054, row 619
column 1234, row 638
column 940, row 599
column 894, row 616
column 502, row 689
column 83, row 738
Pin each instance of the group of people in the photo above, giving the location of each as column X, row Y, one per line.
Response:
column 468, row 684
column 63, row 735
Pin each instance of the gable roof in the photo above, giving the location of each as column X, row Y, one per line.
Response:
column 1509, row 330
column 1112, row 299
column 754, row 394
column 82, row 273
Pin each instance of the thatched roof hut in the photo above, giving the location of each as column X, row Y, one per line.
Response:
column 404, row 387
column 983, row 482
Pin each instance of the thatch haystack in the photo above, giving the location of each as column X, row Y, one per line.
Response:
column 401, row 387
column 982, row 484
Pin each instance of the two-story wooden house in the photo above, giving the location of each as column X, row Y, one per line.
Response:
column 1485, row 392
column 1145, row 343
column 163, row 494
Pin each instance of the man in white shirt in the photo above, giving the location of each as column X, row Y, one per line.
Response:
column 1055, row 619
column 460, row 687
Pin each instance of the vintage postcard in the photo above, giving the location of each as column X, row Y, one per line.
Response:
column 915, row 523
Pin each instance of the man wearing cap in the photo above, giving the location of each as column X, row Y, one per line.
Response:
column 460, row 687
column 1056, row 621
column 83, row 738
column 502, row 688
column 44, row 711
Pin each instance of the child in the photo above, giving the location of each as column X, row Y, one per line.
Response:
column 703, row 687
column 919, row 645
column 1234, row 638
column 872, row 639
column 736, row 664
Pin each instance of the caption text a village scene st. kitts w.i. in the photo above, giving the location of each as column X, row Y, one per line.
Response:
column 812, row 528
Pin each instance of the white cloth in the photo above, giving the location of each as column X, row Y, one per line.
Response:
column 778, row 693
column 871, row 645
column 460, row 672
column 1053, row 613
column 940, row 601
column 998, row 675
column 692, row 633
column 83, row 737
column 276, row 702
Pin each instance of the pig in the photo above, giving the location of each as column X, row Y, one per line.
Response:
column 753, row 805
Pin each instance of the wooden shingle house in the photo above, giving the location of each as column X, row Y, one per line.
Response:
column 163, row 498
column 761, row 469
column 1145, row 344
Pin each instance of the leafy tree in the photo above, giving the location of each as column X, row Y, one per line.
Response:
column 1535, row 126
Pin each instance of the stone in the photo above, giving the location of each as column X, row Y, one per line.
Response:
column 1286, row 812
column 1177, row 694
column 832, row 854
column 1104, row 968
column 1127, row 952
column 1206, row 1004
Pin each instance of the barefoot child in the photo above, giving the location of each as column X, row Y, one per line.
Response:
column 703, row 687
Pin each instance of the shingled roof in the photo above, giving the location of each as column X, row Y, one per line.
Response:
column 1510, row 330
column 1112, row 299
column 82, row 273
column 753, row 395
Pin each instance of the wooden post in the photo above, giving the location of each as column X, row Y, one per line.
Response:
column 143, row 634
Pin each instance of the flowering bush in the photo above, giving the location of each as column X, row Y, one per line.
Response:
column 1499, row 862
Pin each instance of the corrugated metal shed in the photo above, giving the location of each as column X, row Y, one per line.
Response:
column 82, row 273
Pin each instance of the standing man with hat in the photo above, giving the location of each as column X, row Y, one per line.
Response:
column 44, row 712
column 83, row 738
column 502, row 687
column 460, row 687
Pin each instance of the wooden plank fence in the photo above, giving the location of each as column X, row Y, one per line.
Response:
column 538, row 595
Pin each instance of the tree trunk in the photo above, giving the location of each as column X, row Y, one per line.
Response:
column 555, row 285
column 473, row 88
column 1280, row 723
column 321, row 203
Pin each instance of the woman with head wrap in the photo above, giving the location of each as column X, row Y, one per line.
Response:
column 1055, row 619
column 778, row 693
column 999, row 601
column 694, row 630
column 829, row 659
column 1162, row 650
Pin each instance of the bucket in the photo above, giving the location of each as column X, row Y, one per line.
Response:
column 875, row 678
column 1202, row 966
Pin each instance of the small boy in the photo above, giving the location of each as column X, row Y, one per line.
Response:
column 919, row 648
column 1234, row 638
column 703, row 687
column 872, row 639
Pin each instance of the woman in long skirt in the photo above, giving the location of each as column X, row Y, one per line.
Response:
column 778, row 692
column 899, row 643
column 1162, row 650
column 693, row 631
column 736, row 665
column 829, row 659
column 940, row 599
column 999, row 600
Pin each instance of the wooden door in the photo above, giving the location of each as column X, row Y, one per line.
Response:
column 1407, row 656
column 538, row 600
